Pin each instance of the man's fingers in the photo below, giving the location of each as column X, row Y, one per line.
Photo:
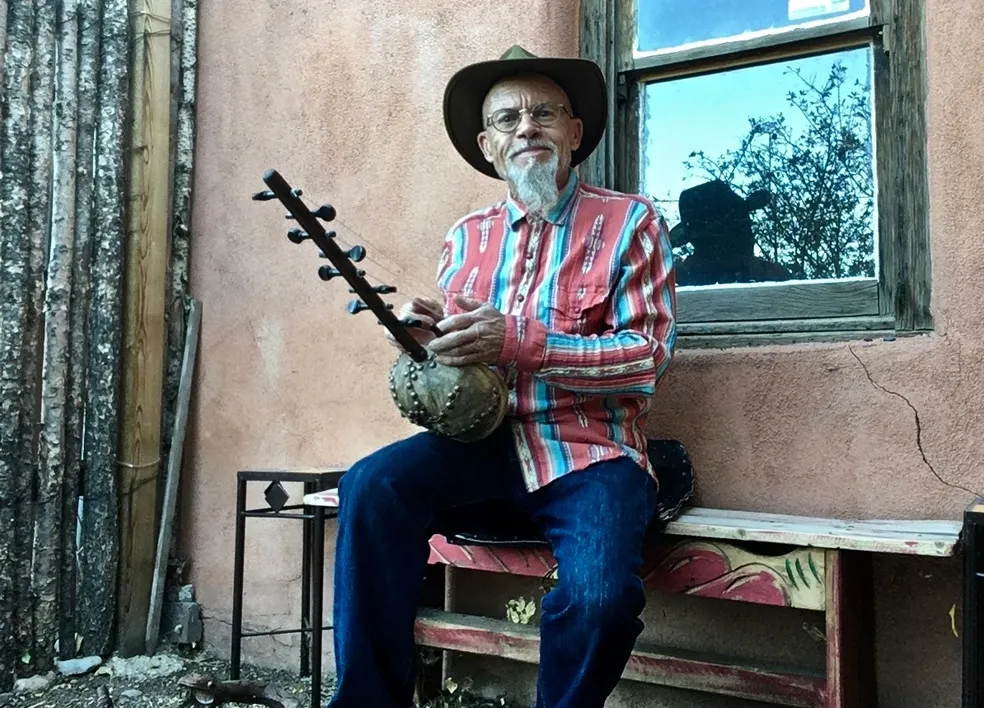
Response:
column 455, row 323
column 450, row 341
column 429, row 306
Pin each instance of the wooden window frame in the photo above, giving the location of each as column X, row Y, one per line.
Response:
column 898, row 302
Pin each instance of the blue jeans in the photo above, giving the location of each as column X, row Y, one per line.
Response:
column 391, row 503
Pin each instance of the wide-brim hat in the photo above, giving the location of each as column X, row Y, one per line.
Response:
column 581, row 79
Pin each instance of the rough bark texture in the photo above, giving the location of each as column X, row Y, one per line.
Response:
column 46, row 577
column 15, row 149
column 186, row 20
column 89, row 13
column 99, row 553
column 42, row 97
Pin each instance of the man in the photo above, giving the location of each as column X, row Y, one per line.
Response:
column 568, row 290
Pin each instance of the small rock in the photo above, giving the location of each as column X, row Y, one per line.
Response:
column 186, row 593
column 34, row 684
column 142, row 667
column 5, row 699
column 132, row 694
column 78, row 667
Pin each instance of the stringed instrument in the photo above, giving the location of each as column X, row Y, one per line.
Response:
column 466, row 403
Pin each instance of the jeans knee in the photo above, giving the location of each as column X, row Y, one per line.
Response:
column 608, row 603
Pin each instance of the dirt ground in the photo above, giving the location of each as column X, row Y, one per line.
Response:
column 152, row 682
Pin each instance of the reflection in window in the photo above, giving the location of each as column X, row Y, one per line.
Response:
column 765, row 173
column 663, row 24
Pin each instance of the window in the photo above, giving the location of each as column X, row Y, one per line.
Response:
column 784, row 140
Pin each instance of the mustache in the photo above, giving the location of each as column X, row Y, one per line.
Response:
column 525, row 145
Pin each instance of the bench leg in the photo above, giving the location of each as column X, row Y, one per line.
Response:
column 317, row 602
column 235, row 651
column 973, row 606
column 850, row 631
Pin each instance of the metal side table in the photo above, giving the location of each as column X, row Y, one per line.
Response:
column 312, row 561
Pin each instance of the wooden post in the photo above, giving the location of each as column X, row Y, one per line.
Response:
column 143, row 321
column 15, row 155
column 88, row 84
column 183, row 150
column 98, row 554
column 37, row 237
column 46, row 573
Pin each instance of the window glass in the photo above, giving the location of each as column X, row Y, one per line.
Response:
column 664, row 24
column 765, row 173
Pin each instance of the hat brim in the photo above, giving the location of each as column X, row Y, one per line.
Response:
column 580, row 79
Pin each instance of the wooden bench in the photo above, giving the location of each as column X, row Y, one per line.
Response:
column 801, row 562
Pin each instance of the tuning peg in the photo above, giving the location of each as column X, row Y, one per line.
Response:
column 327, row 273
column 356, row 306
column 264, row 196
column 325, row 212
column 296, row 192
column 380, row 289
column 356, row 253
column 297, row 235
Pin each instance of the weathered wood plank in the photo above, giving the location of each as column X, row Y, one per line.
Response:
column 850, row 631
column 717, row 570
column 596, row 44
column 144, row 336
column 930, row 538
column 729, row 341
column 173, row 476
column 906, row 537
column 907, row 179
column 830, row 324
column 760, row 47
column 647, row 664
column 845, row 298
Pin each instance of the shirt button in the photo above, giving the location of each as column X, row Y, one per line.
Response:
column 529, row 256
column 520, row 297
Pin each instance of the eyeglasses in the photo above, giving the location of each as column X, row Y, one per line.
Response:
column 506, row 120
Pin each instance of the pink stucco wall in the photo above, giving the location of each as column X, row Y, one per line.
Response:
column 344, row 98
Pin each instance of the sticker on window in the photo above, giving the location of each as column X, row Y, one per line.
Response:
column 804, row 9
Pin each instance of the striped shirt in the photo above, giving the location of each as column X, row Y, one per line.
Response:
column 590, row 305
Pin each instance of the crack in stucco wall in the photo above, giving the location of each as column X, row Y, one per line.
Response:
column 915, row 413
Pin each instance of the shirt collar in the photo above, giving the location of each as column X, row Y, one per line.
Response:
column 516, row 210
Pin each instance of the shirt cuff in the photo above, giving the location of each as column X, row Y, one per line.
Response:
column 526, row 342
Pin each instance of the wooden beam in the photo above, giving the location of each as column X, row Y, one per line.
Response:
column 597, row 44
column 765, row 47
column 838, row 298
column 908, row 273
column 143, row 329
column 677, row 669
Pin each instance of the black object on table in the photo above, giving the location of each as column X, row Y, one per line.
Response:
column 312, row 562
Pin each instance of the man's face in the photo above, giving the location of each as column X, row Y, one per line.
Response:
column 530, row 144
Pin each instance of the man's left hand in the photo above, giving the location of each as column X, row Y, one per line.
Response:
column 476, row 335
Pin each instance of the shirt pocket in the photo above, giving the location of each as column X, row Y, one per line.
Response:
column 581, row 309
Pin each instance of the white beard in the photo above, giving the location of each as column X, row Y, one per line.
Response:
column 535, row 184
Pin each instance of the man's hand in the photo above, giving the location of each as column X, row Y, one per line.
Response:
column 425, row 309
column 477, row 335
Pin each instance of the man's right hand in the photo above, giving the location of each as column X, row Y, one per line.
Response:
column 428, row 310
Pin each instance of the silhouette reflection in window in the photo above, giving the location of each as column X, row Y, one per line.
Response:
column 715, row 222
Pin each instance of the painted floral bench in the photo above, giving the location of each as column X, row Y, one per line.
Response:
column 808, row 563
